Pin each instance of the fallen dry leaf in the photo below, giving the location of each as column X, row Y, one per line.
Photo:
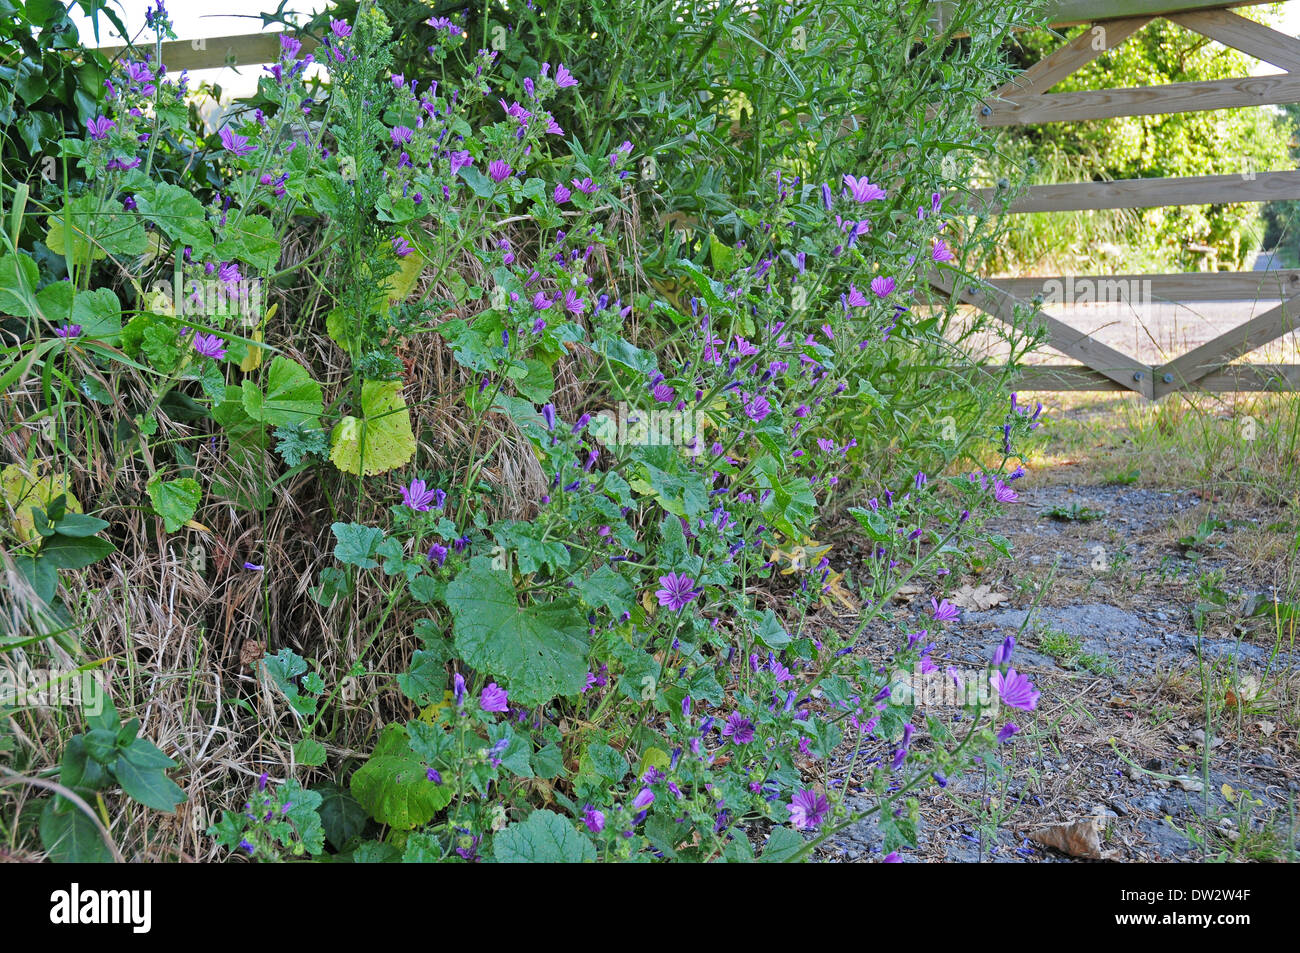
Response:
column 1078, row 838
column 978, row 598
column 905, row 593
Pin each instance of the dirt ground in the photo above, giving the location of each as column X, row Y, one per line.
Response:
column 1165, row 629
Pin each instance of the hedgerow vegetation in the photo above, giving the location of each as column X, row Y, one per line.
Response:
column 434, row 462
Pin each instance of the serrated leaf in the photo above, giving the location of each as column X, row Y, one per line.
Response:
column 309, row 752
column 291, row 396
column 357, row 544
column 540, row 651
column 379, row 441
column 175, row 500
column 544, row 838
column 393, row 785
column 341, row 816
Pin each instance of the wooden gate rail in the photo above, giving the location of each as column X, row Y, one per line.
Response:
column 1026, row 100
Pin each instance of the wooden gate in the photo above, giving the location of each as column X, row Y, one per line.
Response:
column 1025, row 101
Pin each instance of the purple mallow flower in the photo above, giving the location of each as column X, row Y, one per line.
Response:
column 943, row 611
column 498, row 170
column 100, row 126
column 563, row 78
column 1008, row 730
column 808, row 809
column 418, row 496
column 1002, row 655
column 738, row 728
column 234, row 143
column 1016, row 690
column 862, row 190
column 678, row 589
column 493, row 698
column 209, row 345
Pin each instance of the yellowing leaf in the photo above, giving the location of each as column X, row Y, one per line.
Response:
column 429, row 713
column 380, row 441
column 24, row 492
column 253, row 359
column 401, row 281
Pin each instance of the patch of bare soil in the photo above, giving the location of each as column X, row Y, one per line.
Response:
column 1166, row 652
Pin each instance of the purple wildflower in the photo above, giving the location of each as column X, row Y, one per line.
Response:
column 234, row 143
column 808, row 809
column 1016, row 690
column 209, row 345
column 678, row 589
column 99, row 127
column 738, row 728
column 493, row 698
column 943, row 611
column 418, row 496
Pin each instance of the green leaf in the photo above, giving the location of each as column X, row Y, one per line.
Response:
column 78, row 525
column 545, row 838
column 540, row 650
column 357, row 544
column 178, row 214
column 309, row 752
column 291, row 397
column 376, row 852
column 175, row 500
column 782, row 845
column 771, row 633
column 252, row 241
column 71, row 837
column 605, row 588
column 548, row 762
column 303, row 814
column 600, row 759
column 393, row 785
column 67, row 552
column 100, row 315
column 18, row 277
column 427, row 679
column 341, row 816
column 150, row 786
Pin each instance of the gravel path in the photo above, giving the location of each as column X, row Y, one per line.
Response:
column 1140, row 616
